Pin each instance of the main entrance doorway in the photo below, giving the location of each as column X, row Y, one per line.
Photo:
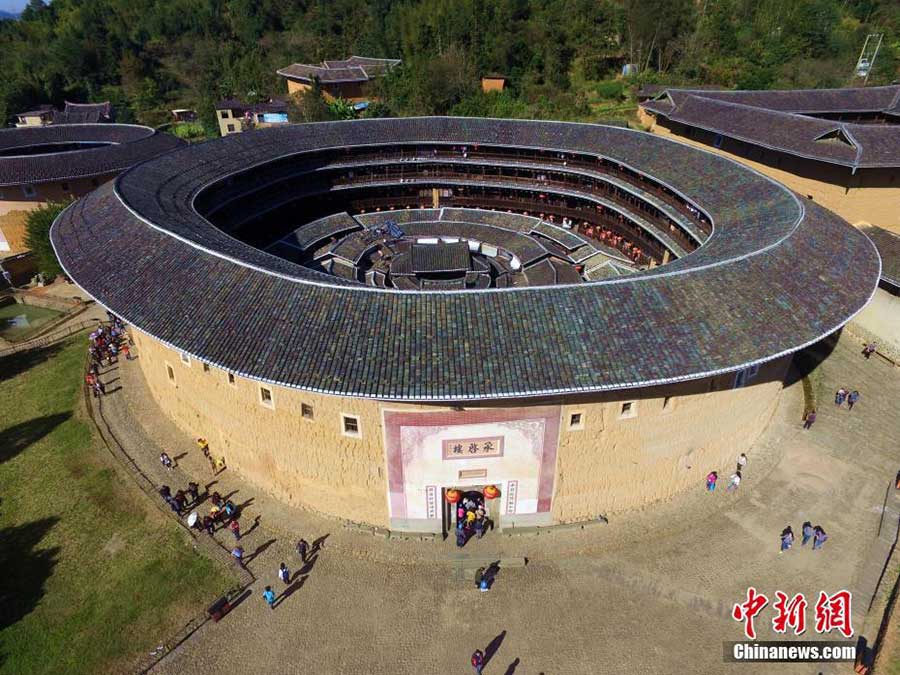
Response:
column 477, row 514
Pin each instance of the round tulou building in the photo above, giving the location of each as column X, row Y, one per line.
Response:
column 361, row 316
column 58, row 162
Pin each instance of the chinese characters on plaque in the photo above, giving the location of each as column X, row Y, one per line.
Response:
column 473, row 448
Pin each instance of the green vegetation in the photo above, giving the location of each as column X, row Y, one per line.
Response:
column 93, row 575
column 189, row 131
column 561, row 57
column 37, row 238
column 34, row 317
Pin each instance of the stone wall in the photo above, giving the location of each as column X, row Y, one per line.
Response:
column 609, row 462
column 871, row 196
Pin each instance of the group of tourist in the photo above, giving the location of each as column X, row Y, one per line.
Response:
column 610, row 238
column 734, row 482
column 179, row 501
column 471, row 518
column 816, row 534
column 105, row 345
column 843, row 395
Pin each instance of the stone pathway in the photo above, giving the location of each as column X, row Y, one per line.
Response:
column 649, row 593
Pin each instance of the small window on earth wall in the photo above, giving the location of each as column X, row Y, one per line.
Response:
column 170, row 371
column 306, row 411
column 628, row 410
column 576, row 421
column 350, row 425
column 231, row 379
column 265, row 397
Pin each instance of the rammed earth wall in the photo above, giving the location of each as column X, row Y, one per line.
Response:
column 607, row 463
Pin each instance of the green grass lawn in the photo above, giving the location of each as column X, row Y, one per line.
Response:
column 13, row 327
column 91, row 574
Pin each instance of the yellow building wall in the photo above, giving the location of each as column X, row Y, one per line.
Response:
column 295, row 87
column 866, row 198
column 15, row 205
column 611, row 465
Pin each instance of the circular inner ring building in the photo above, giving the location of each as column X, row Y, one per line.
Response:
column 360, row 316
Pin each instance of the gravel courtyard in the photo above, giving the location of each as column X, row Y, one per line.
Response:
column 651, row 592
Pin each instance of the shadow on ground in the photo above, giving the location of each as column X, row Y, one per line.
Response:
column 16, row 438
column 25, row 569
column 15, row 364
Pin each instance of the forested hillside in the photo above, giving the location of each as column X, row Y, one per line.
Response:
column 562, row 56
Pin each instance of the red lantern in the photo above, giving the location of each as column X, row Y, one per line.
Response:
column 491, row 492
column 453, row 496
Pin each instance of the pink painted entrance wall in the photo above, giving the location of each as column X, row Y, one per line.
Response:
column 504, row 447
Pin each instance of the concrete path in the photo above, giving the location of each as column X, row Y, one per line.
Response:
column 649, row 593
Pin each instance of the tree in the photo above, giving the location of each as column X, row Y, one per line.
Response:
column 309, row 106
column 37, row 237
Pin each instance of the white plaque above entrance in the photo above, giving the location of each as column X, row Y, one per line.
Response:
column 466, row 448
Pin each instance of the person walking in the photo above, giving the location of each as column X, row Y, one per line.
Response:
column 235, row 528
column 269, row 597
column 735, row 482
column 810, row 419
column 209, row 525
column 869, row 349
column 194, row 491
column 238, row 553
column 478, row 661
column 302, row 550
column 741, row 462
column 808, row 532
column 179, row 501
column 166, row 461
column 852, row 398
column 284, row 574
column 839, row 397
column 711, row 479
column 819, row 538
column 787, row 539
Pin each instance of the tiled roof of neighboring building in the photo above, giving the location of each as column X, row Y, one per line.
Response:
column 83, row 113
column 783, row 121
column 40, row 110
column 353, row 69
column 888, row 245
column 776, row 274
column 126, row 145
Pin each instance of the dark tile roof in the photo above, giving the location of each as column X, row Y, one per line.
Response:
column 776, row 274
column 774, row 119
column 439, row 257
column 40, row 110
column 861, row 99
column 888, row 245
column 353, row 69
column 128, row 145
column 83, row 113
